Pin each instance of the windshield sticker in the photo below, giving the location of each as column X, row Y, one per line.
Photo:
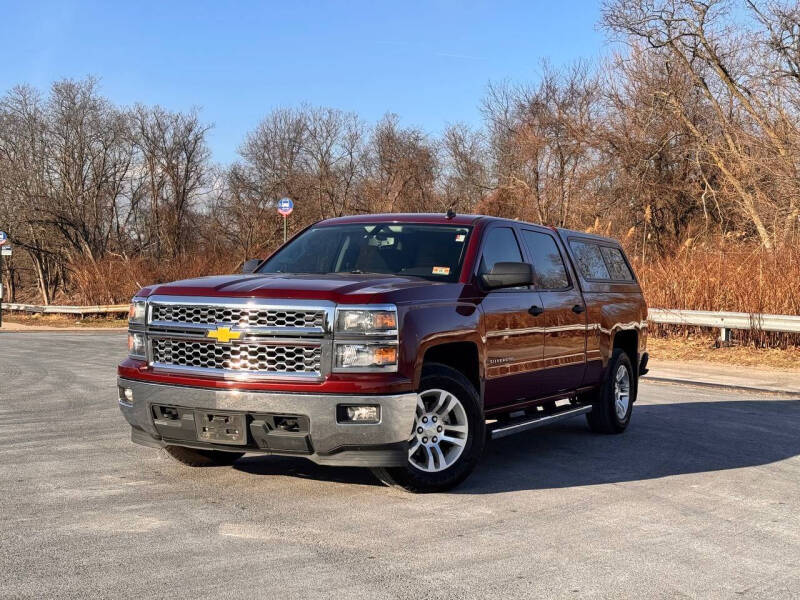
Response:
column 441, row 270
column 461, row 237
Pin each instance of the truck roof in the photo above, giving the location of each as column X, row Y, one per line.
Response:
column 437, row 218
column 594, row 236
column 441, row 219
column 432, row 218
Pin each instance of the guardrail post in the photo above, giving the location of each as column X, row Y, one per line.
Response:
column 724, row 335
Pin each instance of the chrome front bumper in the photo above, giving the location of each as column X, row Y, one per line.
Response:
column 328, row 441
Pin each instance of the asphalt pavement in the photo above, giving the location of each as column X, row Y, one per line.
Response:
column 699, row 498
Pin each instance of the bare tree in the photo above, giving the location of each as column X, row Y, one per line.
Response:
column 88, row 162
column 24, row 185
column 700, row 39
column 174, row 159
column 542, row 143
column 404, row 169
column 465, row 170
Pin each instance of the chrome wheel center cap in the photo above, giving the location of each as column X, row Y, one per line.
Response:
column 430, row 429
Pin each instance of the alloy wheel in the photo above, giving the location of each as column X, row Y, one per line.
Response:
column 622, row 392
column 440, row 431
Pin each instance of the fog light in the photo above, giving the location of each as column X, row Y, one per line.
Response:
column 126, row 395
column 358, row 414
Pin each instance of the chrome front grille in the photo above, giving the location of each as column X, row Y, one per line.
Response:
column 250, row 357
column 240, row 338
column 243, row 316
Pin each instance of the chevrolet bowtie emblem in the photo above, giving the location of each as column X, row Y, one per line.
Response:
column 224, row 334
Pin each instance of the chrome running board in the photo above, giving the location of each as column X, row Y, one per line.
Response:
column 524, row 424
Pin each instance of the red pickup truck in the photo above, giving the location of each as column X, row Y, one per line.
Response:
column 399, row 342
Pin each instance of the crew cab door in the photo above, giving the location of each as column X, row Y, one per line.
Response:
column 514, row 339
column 564, row 316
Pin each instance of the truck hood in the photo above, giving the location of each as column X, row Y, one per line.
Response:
column 339, row 287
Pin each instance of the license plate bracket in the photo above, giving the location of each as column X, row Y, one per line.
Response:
column 220, row 428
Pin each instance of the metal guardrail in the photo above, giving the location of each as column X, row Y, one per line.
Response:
column 725, row 321
column 67, row 310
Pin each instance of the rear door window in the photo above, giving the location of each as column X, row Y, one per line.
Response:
column 551, row 274
column 617, row 266
column 598, row 262
column 590, row 260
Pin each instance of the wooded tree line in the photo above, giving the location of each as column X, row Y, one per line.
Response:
column 687, row 135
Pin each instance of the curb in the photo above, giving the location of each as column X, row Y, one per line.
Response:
column 723, row 386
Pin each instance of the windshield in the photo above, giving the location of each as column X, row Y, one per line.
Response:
column 431, row 251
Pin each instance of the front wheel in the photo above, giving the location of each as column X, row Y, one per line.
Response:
column 448, row 435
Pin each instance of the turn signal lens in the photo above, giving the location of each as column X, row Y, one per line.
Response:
column 384, row 320
column 386, row 355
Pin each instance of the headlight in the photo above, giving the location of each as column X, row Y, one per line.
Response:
column 136, row 345
column 366, row 356
column 137, row 312
column 369, row 321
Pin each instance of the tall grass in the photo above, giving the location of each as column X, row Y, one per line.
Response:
column 723, row 276
column 727, row 277
column 115, row 280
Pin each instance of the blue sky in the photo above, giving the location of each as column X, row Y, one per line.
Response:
column 429, row 62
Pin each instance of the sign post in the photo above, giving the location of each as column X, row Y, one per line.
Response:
column 285, row 208
column 3, row 251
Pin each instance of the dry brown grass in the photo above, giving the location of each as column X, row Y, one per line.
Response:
column 115, row 280
column 63, row 321
column 703, row 348
column 727, row 277
column 716, row 275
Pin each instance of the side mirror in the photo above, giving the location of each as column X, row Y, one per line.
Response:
column 250, row 265
column 507, row 275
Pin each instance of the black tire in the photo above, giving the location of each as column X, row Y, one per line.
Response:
column 412, row 479
column 604, row 417
column 202, row 458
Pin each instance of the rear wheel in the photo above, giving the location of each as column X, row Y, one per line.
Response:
column 202, row 458
column 447, row 437
column 613, row 403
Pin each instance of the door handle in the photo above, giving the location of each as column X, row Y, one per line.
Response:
column 578, row 308
column 535, row 310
